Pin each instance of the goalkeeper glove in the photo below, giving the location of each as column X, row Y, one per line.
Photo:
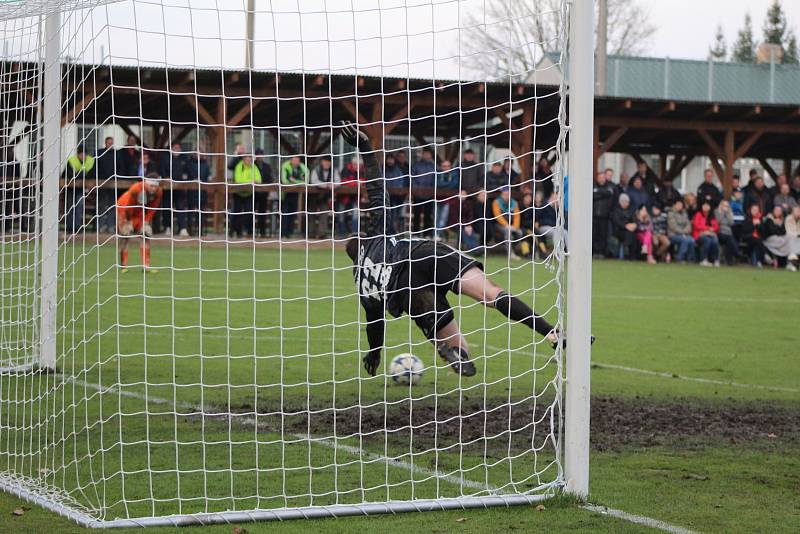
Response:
column 147, row 230
column 355, row 137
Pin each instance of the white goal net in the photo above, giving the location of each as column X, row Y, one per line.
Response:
column 183, row 336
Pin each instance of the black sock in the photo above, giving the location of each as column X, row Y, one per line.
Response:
column 518, row 311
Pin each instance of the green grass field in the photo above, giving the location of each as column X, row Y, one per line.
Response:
column 695, row 381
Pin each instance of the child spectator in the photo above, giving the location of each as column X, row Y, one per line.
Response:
column 751, row 235
column 623, row 221
column 679, row 230
column 644, row 233
column 661, row 244
column 737, row 208
column 704, row 231
column 724, row 215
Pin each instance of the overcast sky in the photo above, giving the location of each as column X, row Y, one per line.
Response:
column 686, row 27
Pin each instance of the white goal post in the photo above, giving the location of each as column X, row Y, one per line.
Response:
column 181, row 337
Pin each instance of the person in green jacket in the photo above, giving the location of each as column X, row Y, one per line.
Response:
column 80, row 167
column 293, row 171
column 244, row 173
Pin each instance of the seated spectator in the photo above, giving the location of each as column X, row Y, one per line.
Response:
column 793, row 223
column 483, row 219
column 679, row 230
column 423, row 180
column 737, row 208
column 757, row 193
column 661, row 244
column 324, row 176
column 704, row 231
column 294, row 171
column 667, row 195
column 545, row 222
column 528, row 216
column 623, row 221
column 509, row 173
column 446, row 185
column 638, row 194
column 707, row 191
column 775, row 190
column 690, row 203
column 796, row 188
column 644, row 233
column 507, row 223
column 724, row 215
column 544, row 177
column 784, row 199
column 471, row 172
column 751, row 235
column 465, row 217
column 245, row 175
column 495, row 178
column 783, row 247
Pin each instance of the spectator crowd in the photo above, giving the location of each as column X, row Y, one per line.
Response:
column 642, row 217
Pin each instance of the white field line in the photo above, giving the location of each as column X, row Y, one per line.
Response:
column 393, row 462
column 765, row 300
column 159, row 331
column 637, row 519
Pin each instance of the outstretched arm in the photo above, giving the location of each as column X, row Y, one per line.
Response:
column 375, row 331
column 376, row 184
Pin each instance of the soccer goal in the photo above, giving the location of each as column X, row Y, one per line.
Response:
column 270, row 260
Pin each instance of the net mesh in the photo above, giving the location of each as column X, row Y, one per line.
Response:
column 220, row 370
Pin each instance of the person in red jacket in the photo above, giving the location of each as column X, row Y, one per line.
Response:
column 704, row 231
column 136, row 209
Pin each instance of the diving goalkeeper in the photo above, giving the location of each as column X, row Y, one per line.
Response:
column 136, row 209
column 414, row 276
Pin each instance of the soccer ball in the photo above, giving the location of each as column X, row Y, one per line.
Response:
column 406, row 369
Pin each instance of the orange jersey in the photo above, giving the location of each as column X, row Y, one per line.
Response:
column 136, row 203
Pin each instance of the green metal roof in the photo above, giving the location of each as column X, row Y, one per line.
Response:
column 702, row 81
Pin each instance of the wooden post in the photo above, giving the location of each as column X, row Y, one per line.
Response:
column 526, row 152
column 730, row 159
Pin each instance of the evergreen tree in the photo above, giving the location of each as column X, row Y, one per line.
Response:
column 744, row 49
column 790, row 54
column 719, row 51
column 775, row 24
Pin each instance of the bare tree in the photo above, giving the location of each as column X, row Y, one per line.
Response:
column 512, row 36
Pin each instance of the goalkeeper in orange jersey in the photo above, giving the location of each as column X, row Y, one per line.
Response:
column 135, row 211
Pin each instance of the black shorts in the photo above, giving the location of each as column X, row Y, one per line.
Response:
column 439, row 267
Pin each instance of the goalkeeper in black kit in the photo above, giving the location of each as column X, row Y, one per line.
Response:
column 414, row 276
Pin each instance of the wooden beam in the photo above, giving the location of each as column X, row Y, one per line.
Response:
column 713, row 110
column 662, row 166
column 682, row 124
column 399, row 115
column 609, row 143
column 715, row 148
column 244, row 111
column 667, row 108
column 355, row 114
column 730, row 159
column 201, row 110
column 678, row 165
column 747, row 145
column 78, row 108
column 767, row 167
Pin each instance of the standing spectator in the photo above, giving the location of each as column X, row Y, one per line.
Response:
column 644, row 233
column 704, row 231
column 679, row 230
column 397, row 184
column 784, row 199
column 661, row 244
column 777, row 242
column 621, row 186
column 649, row 178
column 80, row 167
column 246, row 176
column 544, row 177
column 509, row 173
column 325, row 177
column 796, row 188
column 707, row 191
column 128, row 159
column 667, row 195
column 623, row 220
column 347, row 205
column 775, row 190
column 446, row 186
column 472, row 172
column 638, row 194
column 263, row 198
column 737, row 208
column 751, row 235
column 173, row 168
column 495, row 178
column 401, row 157
column 690, row 202
column 757, row 193
column 106, row 163
column 423, row 180
column 602, row 206
column 294, row 171
column 198, row 171
column 724, row 215
column 146, row 166
column 508, row 225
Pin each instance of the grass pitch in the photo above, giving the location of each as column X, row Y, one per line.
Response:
column 717, row 343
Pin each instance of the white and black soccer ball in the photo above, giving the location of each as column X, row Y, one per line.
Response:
column 406, row 369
